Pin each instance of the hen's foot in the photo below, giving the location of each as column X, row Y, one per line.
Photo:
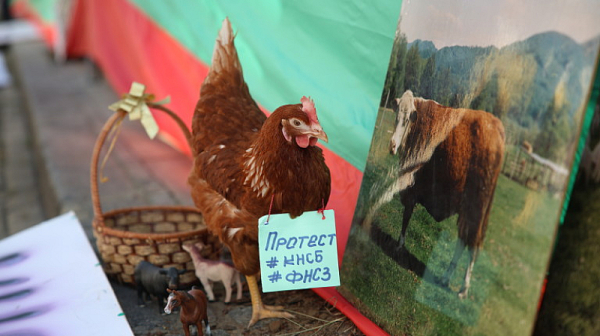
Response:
column 260, row 312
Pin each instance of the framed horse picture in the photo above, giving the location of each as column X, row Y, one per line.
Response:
column 480, row 120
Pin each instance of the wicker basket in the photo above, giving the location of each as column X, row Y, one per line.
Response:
column 155, row 233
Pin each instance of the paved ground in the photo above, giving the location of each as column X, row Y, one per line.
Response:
column 49, row 119
column 20, row 202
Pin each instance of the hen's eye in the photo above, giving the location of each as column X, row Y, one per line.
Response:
column 296, row 122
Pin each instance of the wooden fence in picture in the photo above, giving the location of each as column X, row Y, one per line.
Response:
column 534, row 171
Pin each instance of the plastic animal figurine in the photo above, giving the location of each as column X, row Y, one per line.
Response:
column 193, row 309
column 209, row 271
column 154, row 280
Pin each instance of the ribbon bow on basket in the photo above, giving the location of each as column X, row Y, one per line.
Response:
column 137, row 105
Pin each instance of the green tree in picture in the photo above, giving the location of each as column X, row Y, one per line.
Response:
column 487, row 99
column 555, row 131
column 412, row 70
column 442, row 91
column 394, row 81
column 427, row 89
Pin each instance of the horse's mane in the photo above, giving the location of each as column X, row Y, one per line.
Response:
column 189, row 296
column 182, row 292
column 431, row 127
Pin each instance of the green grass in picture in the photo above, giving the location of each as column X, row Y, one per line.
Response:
column 398, row 289
column 445, row 300
column 384, row 292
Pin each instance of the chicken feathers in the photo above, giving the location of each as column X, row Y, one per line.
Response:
column 243, row 160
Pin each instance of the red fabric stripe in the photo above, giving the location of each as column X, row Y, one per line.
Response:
column 334, row 298
column 23, row 10
column 128, row 46
column 345, row 185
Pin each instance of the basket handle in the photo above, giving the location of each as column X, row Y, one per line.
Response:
column 97, row 207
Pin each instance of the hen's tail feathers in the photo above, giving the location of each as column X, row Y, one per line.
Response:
column 225, row 56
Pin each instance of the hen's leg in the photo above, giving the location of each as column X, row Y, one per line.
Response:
column 260, row 311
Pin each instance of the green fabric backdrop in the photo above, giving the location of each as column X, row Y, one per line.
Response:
column 279, row 69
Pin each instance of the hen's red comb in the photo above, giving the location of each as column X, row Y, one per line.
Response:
column 308, row 106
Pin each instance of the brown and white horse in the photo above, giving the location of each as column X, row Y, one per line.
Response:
column 449, row 162
column 193, row 309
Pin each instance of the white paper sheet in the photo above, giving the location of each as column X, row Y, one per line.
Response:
column 51, row 283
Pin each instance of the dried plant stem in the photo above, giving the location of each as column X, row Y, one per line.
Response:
column 314, row 328
column 312, row 317
column 296, row 323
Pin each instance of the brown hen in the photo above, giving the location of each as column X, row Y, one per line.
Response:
column 243, row 161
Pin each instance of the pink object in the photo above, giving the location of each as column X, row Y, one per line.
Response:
column 209, row 271
column 308, row 106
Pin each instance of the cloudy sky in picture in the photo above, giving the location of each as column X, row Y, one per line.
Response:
column 497, row 22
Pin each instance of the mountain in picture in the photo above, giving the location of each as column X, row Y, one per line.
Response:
column 535, row 83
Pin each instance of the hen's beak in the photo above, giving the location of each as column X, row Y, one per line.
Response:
column 317, row 132
column 321, row 136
